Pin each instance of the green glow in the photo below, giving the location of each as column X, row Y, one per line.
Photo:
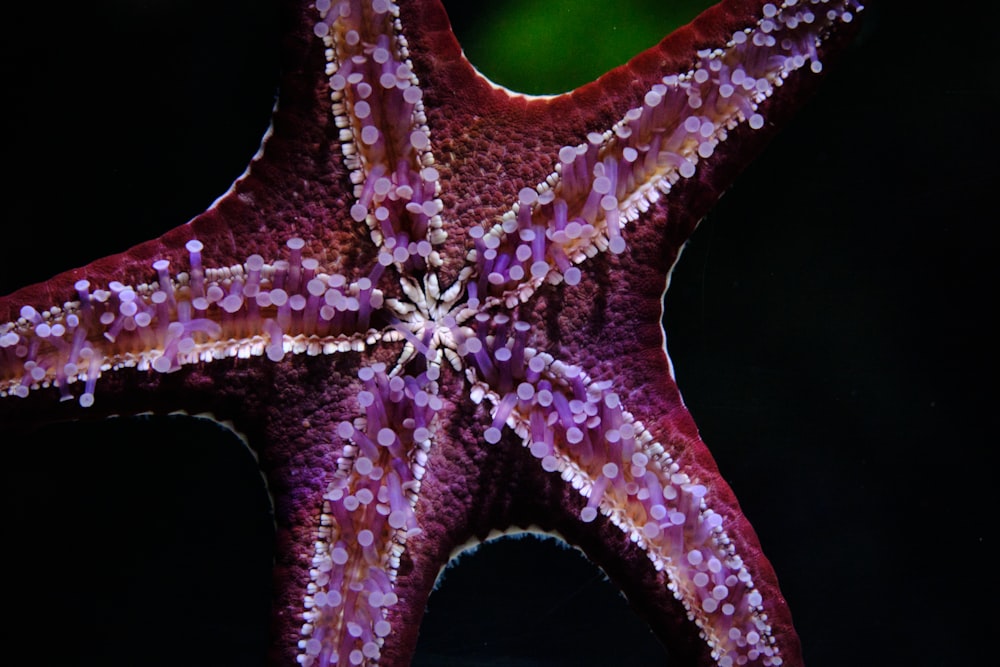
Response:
column 558, row 45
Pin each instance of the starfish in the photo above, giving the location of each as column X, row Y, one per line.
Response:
column 433, row 308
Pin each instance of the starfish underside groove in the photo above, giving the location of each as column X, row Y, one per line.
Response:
column 433, row 307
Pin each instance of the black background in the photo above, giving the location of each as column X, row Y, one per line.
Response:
column 830, row 326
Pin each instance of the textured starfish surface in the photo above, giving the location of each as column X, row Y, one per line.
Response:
column 433, row 308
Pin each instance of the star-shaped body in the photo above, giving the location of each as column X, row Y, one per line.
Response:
column 433, row 308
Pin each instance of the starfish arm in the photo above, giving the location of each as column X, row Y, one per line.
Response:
column 614, row 177
column 378, row 105
column 368, row 516
column 248, row 310
column 691, row 109
column 652, row 477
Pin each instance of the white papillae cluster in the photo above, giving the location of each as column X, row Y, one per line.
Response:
column 575, row 426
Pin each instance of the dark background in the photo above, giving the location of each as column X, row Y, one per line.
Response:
column 830, row 324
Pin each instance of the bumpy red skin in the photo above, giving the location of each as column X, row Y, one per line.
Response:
column 488, row 145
